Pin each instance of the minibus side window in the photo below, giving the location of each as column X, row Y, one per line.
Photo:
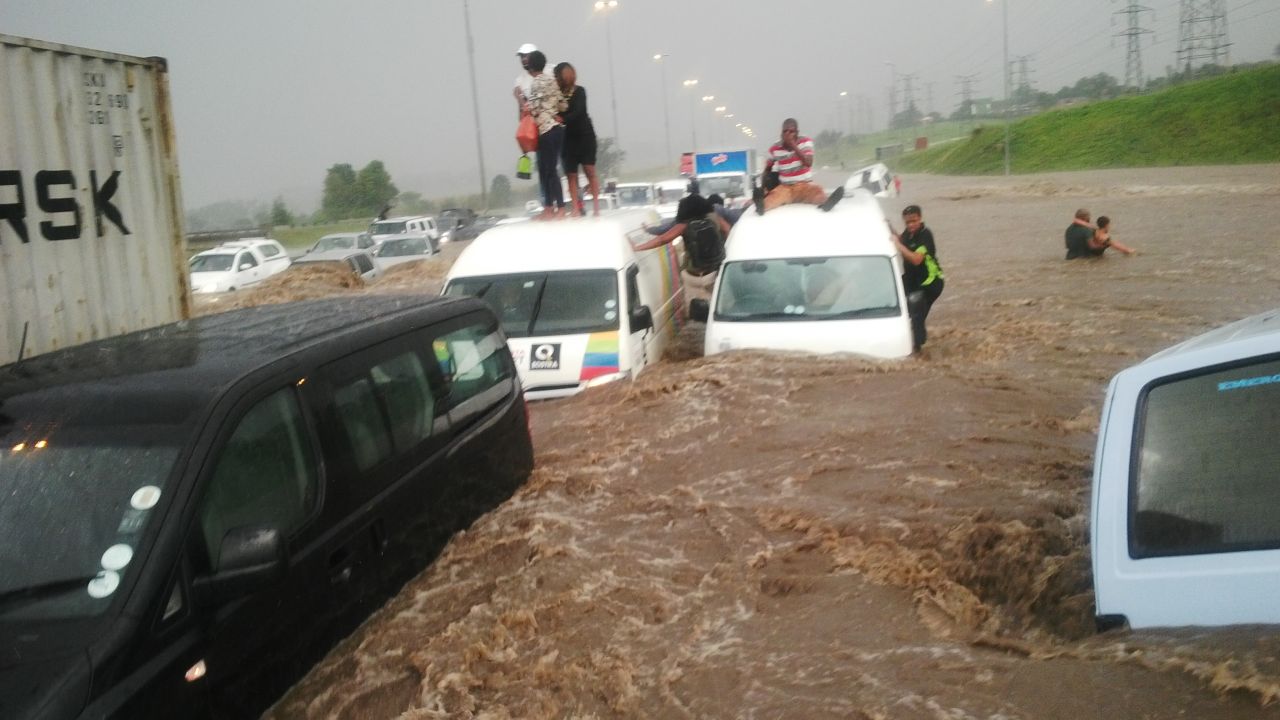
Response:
column 1205, row 459
column 266, row 474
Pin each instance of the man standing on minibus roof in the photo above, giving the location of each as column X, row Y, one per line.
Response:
column 792, row 159
column 524, row 81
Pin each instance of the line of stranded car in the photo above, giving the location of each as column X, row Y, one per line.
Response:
column 1183, row 524
column 244, row 263
column 191, row 527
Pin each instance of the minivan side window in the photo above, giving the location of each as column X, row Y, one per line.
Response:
column 389, row 409
column 269, row 250
column 475, row 367
column 246, row 258
column 266, row 474
column 1204, row 474
column 363, row 263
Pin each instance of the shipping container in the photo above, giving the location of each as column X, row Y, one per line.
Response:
column 90, row 202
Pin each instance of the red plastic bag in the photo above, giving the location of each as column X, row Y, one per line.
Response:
column 527, row 134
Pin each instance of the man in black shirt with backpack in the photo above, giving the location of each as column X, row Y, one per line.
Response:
column 704, row 232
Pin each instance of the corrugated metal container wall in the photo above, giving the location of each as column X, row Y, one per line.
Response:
column 90, row 204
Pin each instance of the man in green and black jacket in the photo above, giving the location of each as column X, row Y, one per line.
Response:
column 922, row 273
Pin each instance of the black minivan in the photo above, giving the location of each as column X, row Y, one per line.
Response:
column 191, row 516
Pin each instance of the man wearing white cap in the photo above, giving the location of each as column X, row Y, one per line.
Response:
column 524, row 81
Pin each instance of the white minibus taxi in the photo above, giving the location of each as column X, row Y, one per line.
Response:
column 798, row 278
column 1186, row 484
column 578, row 305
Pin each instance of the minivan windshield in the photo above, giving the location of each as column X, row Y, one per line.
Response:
column 730, row 186
column 538, row 304
column 806, row 289
column 634, row 196
column 334, row 242
column 387, row 227
column 403, row 247
column 75, row 505
column 212, row 263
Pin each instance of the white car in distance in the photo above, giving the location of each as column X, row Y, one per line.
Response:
column 359, row 262
column 235, row 265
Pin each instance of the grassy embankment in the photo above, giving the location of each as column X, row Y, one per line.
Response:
column 1220, row 121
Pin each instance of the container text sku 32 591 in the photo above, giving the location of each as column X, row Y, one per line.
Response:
column 90, row 202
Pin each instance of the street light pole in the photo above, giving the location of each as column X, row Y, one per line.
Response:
column 893, row 92
column 693, row 115
column 666, row 117
column 712, row 128
column 606, row 6
column 475, row 102
column 1004, row 11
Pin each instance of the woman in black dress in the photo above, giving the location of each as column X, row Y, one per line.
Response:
column 579, row 139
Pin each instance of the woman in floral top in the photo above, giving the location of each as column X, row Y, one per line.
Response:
column 546, row 102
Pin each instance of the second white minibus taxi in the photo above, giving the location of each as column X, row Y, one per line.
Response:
column 1184, row 528
column 578, row 305
column 798, row 278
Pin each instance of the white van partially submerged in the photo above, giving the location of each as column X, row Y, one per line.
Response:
column 798, row 278
column 578, row 305
column 1185, row 518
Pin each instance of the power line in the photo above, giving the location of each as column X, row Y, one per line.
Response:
column 1202, row 33
column 966, row 94
column 1133, row 53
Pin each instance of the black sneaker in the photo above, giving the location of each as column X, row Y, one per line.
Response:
column 757, row 199
column 832, row 199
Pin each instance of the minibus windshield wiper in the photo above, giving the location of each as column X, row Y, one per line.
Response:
column 884, row 311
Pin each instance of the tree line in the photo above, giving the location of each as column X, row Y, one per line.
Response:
column 370, row 192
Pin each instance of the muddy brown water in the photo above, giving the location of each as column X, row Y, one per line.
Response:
column 765, row 535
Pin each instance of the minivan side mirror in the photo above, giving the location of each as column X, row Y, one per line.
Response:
column 245, row 266
column 251, row 557
column 641, row 318
column 699, row 309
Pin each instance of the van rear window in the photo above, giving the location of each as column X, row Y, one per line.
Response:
column 1207, row 466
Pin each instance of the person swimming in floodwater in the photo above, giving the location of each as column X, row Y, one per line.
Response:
column 1103, row 240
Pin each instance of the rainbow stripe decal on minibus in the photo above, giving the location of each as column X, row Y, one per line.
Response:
column 601, row 357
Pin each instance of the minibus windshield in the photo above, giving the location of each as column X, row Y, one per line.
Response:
column 540, row 304
column 807, row 289
column 77, row 501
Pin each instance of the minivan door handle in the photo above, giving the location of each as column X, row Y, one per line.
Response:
column 340, row 566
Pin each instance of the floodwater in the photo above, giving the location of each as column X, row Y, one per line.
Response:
column 763, row 535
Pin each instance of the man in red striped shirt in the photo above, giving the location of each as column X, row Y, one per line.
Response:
column 792, row 158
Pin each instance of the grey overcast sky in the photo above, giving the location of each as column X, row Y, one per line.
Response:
column 269, row 93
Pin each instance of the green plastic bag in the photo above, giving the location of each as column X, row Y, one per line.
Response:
column 524, row 167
